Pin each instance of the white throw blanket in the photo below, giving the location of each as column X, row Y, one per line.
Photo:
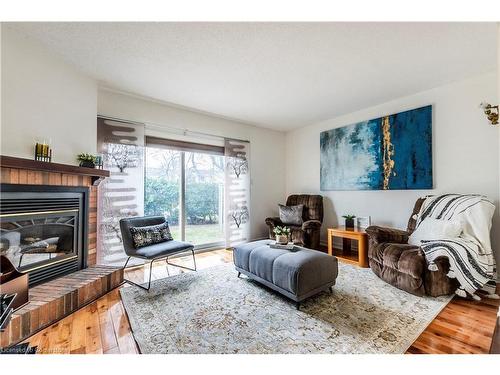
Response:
column 471, row 258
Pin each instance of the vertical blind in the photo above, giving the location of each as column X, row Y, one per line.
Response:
column 122, row 194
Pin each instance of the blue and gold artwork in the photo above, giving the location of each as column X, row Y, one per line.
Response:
column 393, row 152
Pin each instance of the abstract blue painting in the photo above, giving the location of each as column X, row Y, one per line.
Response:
column 393, row 152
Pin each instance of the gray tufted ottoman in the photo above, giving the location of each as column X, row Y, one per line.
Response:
column 297, row 274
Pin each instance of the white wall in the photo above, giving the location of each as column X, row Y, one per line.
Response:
column 267, row 147
column 44, row 98
column 465, row 152
column 498, row 128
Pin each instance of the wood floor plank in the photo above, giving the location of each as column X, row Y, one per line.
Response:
column 108, row 337
column 77, row 341
column 63, row 334
column 114, row 350
column 422, row 346
column 125, row 339
column 93, row 343
column 103, row 327
column 449, row 330
column 43, row 343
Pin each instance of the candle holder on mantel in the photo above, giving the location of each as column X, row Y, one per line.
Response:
column 99, row 162
column 43, row 152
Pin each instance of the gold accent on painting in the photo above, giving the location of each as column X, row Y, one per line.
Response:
column 387, row 151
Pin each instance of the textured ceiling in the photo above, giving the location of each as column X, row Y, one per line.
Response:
column 276, row 75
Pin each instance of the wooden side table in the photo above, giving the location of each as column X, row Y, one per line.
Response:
column 348, row 234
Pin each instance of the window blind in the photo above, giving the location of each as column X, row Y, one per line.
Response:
column 174, row 144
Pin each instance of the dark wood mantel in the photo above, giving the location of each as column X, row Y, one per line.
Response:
column 20, row 163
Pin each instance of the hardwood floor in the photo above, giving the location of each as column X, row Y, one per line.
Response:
column 103, row 327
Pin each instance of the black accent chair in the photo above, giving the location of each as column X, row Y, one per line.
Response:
column 154, row 252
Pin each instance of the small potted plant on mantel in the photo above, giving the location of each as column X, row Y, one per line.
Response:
column 349, row 221
column 282, row 234
column 86, row 160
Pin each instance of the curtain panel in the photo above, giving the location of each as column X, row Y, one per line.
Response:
column 121, row 145
column 237, row 192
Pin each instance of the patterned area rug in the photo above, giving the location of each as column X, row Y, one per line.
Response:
column 213, row 311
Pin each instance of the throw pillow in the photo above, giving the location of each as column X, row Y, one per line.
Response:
column 435, row 229
column 291, row 215
column 149, row 235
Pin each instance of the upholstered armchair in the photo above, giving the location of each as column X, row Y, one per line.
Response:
column 404, row 266
column 308, row 233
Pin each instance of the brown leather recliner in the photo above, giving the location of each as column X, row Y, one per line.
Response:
column 404, row 266
column 308, row 233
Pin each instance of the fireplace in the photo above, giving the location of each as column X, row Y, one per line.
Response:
column 43, row 229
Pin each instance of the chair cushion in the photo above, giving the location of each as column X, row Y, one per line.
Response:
column 401, row 265
column 151, row 234
column 162, row 249
column 291, row 215
column 313, row 205
column 403, row 258
column 435, row 229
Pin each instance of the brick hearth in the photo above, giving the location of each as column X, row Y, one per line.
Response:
column 58, row 298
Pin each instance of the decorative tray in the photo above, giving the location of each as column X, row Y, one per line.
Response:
column 288, row 246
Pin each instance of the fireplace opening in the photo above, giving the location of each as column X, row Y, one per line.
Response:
column 43, row 229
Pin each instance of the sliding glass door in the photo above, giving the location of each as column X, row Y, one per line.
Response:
column 204, row 198
column 187, row 187
column 162, row 186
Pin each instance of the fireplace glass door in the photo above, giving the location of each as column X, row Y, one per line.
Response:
column 34, row 239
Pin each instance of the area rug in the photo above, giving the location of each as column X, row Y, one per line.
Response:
column 214, row 311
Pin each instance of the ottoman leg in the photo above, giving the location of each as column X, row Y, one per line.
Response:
column 239, row 274
column 297, row 305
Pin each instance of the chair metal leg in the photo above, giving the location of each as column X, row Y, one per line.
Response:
column 194, row 259
column 166, row 266
column 125, row 266
column 151, row 269
column 138, row 285
column 184, row 267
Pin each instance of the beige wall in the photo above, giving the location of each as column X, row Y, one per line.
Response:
column 465, row 153
column 43, row 98
column 267, row 147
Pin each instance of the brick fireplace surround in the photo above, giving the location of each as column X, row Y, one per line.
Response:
column 58, row 298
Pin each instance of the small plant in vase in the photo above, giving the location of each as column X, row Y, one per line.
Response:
column 282, row 234
column 86, row 160
column 349, row 221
